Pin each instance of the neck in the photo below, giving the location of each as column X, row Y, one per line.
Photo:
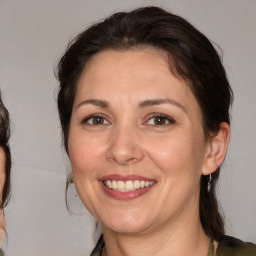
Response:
column 182, row 238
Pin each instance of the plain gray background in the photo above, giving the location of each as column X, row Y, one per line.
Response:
column 33, row 35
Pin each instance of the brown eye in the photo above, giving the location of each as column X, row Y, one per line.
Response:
column 95, row 120
column 160, row 120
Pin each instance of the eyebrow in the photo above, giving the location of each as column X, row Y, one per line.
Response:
column 143, row 104
column 98, row 103
column 155, row 102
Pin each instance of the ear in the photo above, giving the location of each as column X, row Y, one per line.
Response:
column 216, row 149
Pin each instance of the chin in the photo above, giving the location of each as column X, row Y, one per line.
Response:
column 126, row 228
column 129, row 223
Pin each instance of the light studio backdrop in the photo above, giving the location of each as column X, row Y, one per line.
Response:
column 33, row 34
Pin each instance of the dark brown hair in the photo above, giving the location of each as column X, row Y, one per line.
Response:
column 192, row 58
column 4, row 144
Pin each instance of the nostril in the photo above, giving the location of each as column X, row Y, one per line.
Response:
column 125, row 154
column 123, row 159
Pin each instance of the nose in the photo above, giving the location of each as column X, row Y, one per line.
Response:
column 124, row 147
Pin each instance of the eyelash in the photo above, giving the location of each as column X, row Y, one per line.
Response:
column 85, row 120
column 164, row 117
column 169, row 119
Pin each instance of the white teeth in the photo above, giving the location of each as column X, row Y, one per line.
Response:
column 120, row 185
column 114, row 184
column 129, row 185
column 109, row 183
column 136, row 184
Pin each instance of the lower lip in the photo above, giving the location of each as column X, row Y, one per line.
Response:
column 129, row 195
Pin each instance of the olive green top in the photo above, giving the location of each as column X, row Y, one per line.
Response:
column 228, row 246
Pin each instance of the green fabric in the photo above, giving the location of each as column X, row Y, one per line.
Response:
column 211, row 248
column 228, row 246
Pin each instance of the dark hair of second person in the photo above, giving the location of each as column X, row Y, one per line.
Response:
column 5, row 166
column 4, row 145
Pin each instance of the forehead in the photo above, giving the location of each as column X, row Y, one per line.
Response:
column 141, row 73
column 135, row 63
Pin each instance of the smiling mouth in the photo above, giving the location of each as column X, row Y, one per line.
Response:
column 127, row 186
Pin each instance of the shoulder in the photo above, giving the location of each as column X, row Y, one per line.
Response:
column 231, row 246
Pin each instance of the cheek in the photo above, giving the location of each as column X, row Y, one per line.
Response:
column 84, row 158
column 79, row 151
column 2, row 172
column 83, row 152
column 177, row 153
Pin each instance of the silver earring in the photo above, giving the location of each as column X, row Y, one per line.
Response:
column 209, row 183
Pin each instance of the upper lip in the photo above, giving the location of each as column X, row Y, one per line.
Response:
column 124, row 177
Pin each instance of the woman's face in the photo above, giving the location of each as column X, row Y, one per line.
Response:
column 2, row 179
column 136, row 142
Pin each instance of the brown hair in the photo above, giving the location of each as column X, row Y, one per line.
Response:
column 192, row 58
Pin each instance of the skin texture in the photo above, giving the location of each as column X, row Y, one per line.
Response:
column 165, row 220
column 2, row 178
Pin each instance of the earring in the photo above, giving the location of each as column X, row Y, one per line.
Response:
column 209, row 183
column 71, row 181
